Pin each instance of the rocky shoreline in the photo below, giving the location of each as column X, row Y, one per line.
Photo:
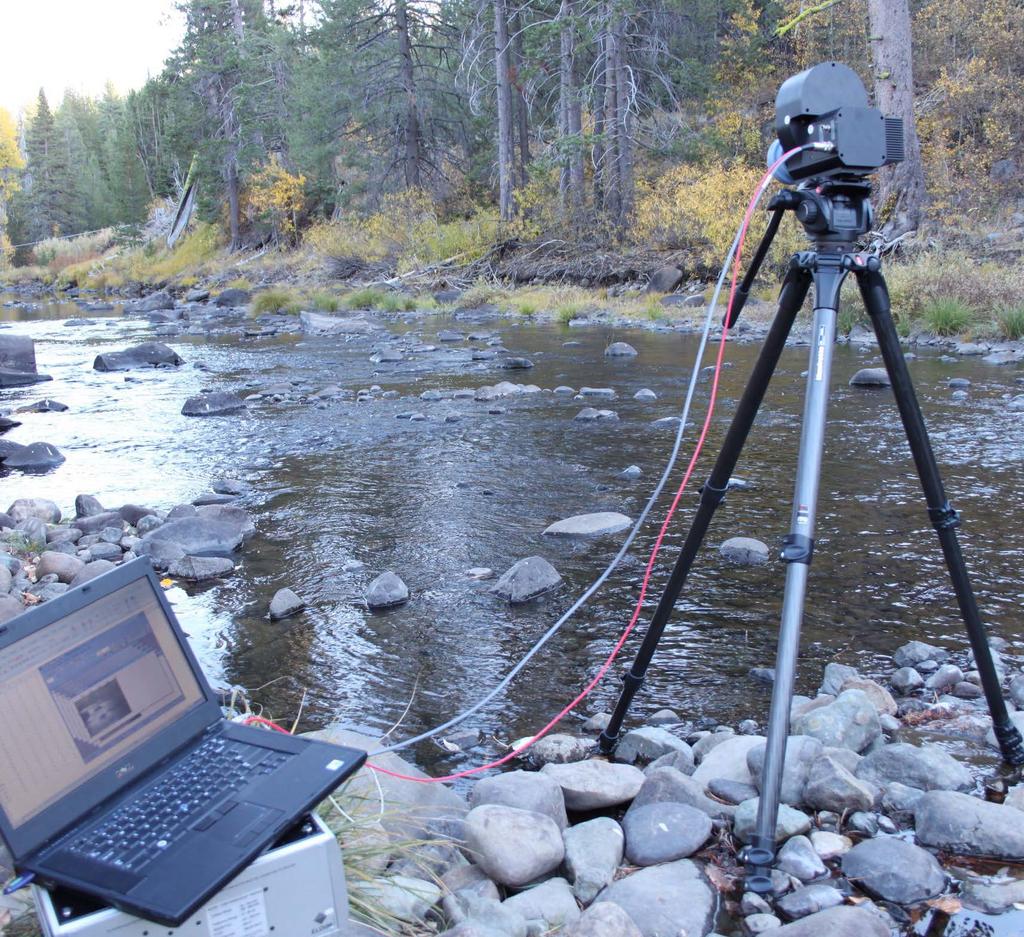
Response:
column 879, row 832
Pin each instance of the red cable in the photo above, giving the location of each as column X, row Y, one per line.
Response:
column 657, row 544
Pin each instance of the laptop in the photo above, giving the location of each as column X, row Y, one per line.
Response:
column 119, row 776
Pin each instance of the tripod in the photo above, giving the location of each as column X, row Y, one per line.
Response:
column 834, row 212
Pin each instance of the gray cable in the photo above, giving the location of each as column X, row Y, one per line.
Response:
column 579, row 603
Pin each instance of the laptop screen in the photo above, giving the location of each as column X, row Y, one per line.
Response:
column 81, row 693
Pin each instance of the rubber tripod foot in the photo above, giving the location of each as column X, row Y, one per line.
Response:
column 1010, row 743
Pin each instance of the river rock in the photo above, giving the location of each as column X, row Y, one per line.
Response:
column 64, row 567
column 729, row 760
column 871, row 377
column 843, row 921
column 761, row 923
column 830, row 786
column 316, row 323
column 154, row 302
column 547, row 907
column 10, row 607
column 42, row 508
column 91, row 570
column 590, row 414
column 202, row 568
column 88, row 506
column 809, row 900
column 514, row 847
column 801, row 752
column 969, row 826
column 664, row 832
column 557, row 749
column 589, row 525
column 216, row 403
column 745, row 551
column 44, row 406
column 232, row 296
column 645, row 394
column 927, row 768
column 649, row 743
column 18, row 362
column 146, row 355
column 608, row 392
column 386, row 591
column 35, row 457
column 516, row 364
column 666, row 900
column 33, row 532
column 196, row 536
column 620, row 350
column 835, row 676
column 894, row 870
column 992, row 897
column 790, row 822
column 906, row 680
column 668, row 785
column 527, row 579
column 94, row 523
column 665, row 280
column 593, row 851
column 849, row 722
column 604, row 920
column 533, row 791
column 917, row 652
column 594, row 784
column 945, row 678
column 799, row 858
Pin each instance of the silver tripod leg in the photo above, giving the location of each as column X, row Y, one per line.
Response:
column 798, row 547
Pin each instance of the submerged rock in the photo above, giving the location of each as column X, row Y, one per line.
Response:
column 284, row 604
column 870, row 377
column 589, row 525
column 620, row 350
column 146, row 355
column 745, row 550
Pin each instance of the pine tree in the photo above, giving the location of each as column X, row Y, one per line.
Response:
column 11, row 165
column 49, row 186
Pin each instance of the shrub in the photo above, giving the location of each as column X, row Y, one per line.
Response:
column 276, row 300
column 948, row 316
column 276, row 197
column 58, row 253
column 407, row 233
column 699, row 208
column 1011, row 323
column 366, row 298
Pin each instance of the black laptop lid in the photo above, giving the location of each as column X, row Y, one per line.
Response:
column 96, row 687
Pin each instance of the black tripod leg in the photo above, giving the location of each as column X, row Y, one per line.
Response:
column 944, row 518
column 791, row 298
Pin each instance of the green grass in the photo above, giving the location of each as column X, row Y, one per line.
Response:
column 846, row 320
column 277, row 300
column 947, row 316
column 325, row 302
column 367, row 298
column 566, row 312
column 1011, row 323
column 526, row 306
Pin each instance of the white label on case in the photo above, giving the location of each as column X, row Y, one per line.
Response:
column 245, row 916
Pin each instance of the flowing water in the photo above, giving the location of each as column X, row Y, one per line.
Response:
column 430, row 499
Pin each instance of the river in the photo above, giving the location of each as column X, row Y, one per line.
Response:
column 429, row 499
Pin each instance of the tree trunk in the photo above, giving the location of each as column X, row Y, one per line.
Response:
column 610, row 182
column 901, row 193
column 522, row 113
column 503, row 76
column 412, row 119
column 623, row 127
column 570, row 119
column 231, row 178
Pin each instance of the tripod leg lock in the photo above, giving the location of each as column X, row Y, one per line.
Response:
column 709, row 494
column 944, row 517
column 796, row 548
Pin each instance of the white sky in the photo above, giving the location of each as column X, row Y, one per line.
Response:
column 81, row 44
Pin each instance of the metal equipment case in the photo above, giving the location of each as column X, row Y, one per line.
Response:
column 295, row 889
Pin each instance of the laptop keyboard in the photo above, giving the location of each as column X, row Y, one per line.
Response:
column 144, row 827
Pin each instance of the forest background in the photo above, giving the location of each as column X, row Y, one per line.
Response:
column 393, row 136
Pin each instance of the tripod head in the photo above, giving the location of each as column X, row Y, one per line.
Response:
column 834, row 211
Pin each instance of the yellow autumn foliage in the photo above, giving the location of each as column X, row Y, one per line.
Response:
column 276, row 197
column 699, row 208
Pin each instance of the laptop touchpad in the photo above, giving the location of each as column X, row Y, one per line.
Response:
column 243, row 823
